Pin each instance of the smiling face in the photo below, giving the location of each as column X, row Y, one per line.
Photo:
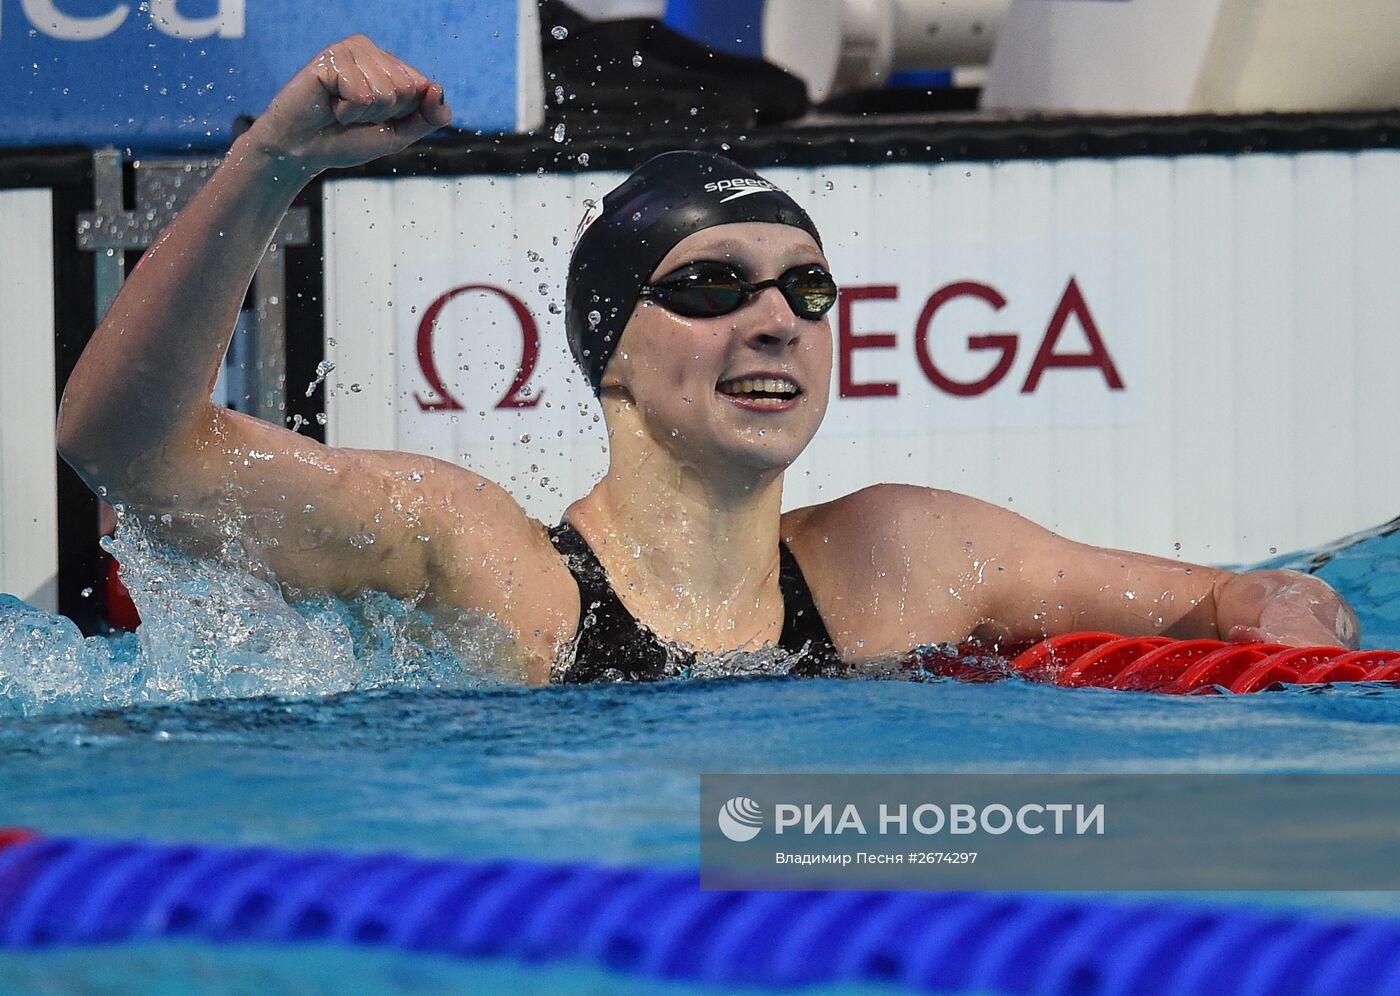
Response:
column 742, row 390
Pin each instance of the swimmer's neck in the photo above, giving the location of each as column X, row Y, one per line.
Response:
column 694, row 548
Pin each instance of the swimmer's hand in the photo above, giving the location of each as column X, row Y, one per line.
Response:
column 351, row 104
column 1285, row 607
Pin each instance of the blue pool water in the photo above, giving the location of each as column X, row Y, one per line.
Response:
column 431, row 757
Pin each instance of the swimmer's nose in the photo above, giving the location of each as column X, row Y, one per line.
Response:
column 774, row 323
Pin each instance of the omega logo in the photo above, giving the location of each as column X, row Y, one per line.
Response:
column 1002, row 345
column 516, row 395
column 1071, row 304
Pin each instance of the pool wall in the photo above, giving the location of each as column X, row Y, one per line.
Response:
column 1126, row 347
column 28, row 463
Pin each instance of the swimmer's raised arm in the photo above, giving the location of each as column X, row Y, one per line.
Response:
column 144, row 379
column 137, row 422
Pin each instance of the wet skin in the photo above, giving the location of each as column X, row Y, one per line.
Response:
column 688, row 519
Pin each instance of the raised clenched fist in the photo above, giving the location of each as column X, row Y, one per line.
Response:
column 352, row 103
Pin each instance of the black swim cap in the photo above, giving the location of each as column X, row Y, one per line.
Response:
column 621, row 241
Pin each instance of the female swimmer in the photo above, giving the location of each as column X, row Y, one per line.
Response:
column 697, row 308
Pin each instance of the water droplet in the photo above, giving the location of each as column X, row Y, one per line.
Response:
column 583, row 158
column 559, row 32
column 594, row 318
column 559, row 132
column 355, row 388
column 86, row 592
column 830, row 185
column 637, row 60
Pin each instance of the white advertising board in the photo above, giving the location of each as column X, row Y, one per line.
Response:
column 28, row 462
column 1191, row 356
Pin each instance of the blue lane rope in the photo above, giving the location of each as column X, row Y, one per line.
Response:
column 658, row 923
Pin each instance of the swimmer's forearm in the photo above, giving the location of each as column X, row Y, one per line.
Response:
column 145, row 376
column 1279, row 606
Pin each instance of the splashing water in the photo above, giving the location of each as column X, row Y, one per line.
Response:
column 47, row 666
column 212, row 628
column 218, row 628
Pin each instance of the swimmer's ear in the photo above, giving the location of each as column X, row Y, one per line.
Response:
column 613, row 390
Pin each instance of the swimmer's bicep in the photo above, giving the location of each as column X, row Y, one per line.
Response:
column 335, row 518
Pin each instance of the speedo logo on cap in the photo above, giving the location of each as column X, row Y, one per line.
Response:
column 741, row 186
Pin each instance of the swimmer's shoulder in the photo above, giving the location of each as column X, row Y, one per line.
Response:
column 887, row 564
column 884, row 517
column 487, row 555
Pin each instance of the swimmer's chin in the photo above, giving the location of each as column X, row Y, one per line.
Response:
column 769, row 455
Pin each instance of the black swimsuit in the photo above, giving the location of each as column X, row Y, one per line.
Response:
column 612, row 645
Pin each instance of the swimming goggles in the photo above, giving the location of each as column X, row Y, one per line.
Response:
column 711, row 289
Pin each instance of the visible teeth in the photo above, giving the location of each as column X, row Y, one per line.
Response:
column 755, row 385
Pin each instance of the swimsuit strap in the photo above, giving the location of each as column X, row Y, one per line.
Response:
column 804, row 632
column 612, row 643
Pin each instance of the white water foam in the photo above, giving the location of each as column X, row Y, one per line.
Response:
column 214, row 628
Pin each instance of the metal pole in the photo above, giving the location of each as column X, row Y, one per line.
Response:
column 269, row 379
column 101, row 230
column 163, row 188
